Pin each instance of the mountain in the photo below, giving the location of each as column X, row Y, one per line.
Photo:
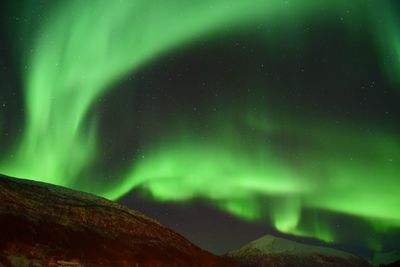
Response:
column 393, row 264
column 47, row 225
column 391, row 258
column 270, row 251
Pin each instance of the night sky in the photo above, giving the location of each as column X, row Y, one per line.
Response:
column 225, row 120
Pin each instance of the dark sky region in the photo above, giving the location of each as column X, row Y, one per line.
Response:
column 223, row 120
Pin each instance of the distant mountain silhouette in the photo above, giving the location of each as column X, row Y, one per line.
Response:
column 270, row 251
column 393, row 264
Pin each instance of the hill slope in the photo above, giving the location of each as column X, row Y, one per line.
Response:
column 46, row 225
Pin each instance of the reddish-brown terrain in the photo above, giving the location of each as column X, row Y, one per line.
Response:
column 46, row 225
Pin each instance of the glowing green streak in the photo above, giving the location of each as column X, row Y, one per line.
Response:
column 86, row 46
column 232, row 175
column 385, row 17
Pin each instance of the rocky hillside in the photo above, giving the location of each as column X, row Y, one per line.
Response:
column 270, row 251
column 46, row 225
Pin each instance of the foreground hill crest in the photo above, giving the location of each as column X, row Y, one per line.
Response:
column 46, row 225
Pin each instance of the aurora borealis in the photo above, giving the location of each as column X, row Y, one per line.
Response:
column 279, row 112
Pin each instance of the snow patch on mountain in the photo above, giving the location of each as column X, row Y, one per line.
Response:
column 274, row 245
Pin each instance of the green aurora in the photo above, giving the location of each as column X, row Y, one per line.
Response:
column 73, row 60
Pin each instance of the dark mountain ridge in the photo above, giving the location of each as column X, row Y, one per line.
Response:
column 47, row 225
